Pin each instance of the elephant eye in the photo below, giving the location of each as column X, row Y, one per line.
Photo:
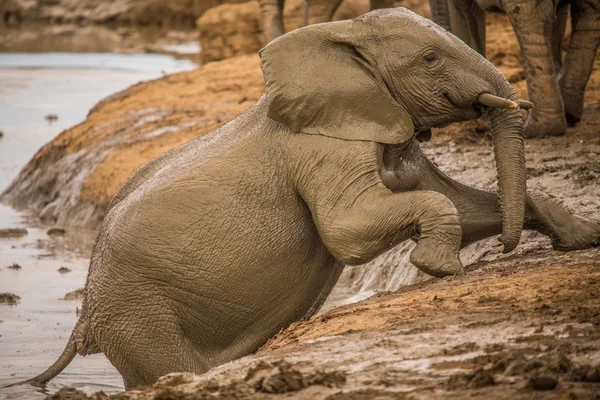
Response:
column 431, row 58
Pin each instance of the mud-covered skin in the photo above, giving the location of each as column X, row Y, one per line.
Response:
column 210, row 249
column 555, row 87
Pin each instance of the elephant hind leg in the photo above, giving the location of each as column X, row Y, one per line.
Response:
column 479, row 210
column 532, row 23
column 558, row 33
column 567, row 231
column 148, row 345
column 579, row 62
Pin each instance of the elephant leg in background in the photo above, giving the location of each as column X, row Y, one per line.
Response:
column 272, row 18
column 440, row 13
column 579, row 62
column 558, row 32
column 377, row 4
column 532, row 22
column 320, row 11
column 467, row 21
column 479, row 210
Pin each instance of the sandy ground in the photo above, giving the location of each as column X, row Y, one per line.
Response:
column 524, row 325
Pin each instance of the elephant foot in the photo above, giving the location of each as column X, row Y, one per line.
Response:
column 578, row 234
column 537, row 125
column 435, row 261
column 573, row 109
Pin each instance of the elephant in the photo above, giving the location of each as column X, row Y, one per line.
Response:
column 210, row 249
column 315, row 11
column 555, row 87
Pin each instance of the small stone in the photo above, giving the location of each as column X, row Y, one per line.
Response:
column 74, row 295
column 11, row 233
column 542, row 382
column 56, row 232
column 51, row 118
column 9, row 299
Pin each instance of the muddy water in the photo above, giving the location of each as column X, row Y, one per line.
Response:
column 33, row 333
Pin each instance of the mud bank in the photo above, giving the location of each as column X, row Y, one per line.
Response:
column 526, row 327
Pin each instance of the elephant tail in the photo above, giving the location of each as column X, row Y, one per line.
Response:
column 69, row 352
column 61, row 363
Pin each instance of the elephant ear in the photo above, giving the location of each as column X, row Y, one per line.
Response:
column 319, row 82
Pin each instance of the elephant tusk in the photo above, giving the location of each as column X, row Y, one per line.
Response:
column 496, row 102
column 525, row 105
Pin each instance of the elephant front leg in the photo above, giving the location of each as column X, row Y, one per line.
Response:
column 479, row 210
column 532, row 22
column 377, row 221
column 579, row 63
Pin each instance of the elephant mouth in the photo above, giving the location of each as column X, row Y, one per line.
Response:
column 480, row 105
column 472, row 111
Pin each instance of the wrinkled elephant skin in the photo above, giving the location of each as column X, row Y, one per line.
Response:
column 210, row 249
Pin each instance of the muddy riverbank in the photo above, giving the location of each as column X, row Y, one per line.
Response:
column 525, row 327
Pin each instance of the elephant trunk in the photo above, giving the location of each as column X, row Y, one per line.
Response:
column 509, row 151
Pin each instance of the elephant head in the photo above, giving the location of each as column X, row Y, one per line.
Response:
column 389, row 74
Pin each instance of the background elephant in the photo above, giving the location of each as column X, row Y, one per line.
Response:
column 555, row 87
column 316, row 11
column 210, row 249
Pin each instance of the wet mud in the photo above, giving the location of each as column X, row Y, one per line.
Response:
column 520, row 328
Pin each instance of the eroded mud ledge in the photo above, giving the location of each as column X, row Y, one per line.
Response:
column 525, row 327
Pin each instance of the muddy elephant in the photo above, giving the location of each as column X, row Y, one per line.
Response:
column 315, row 12
column 209, row 250
column 555, row 87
